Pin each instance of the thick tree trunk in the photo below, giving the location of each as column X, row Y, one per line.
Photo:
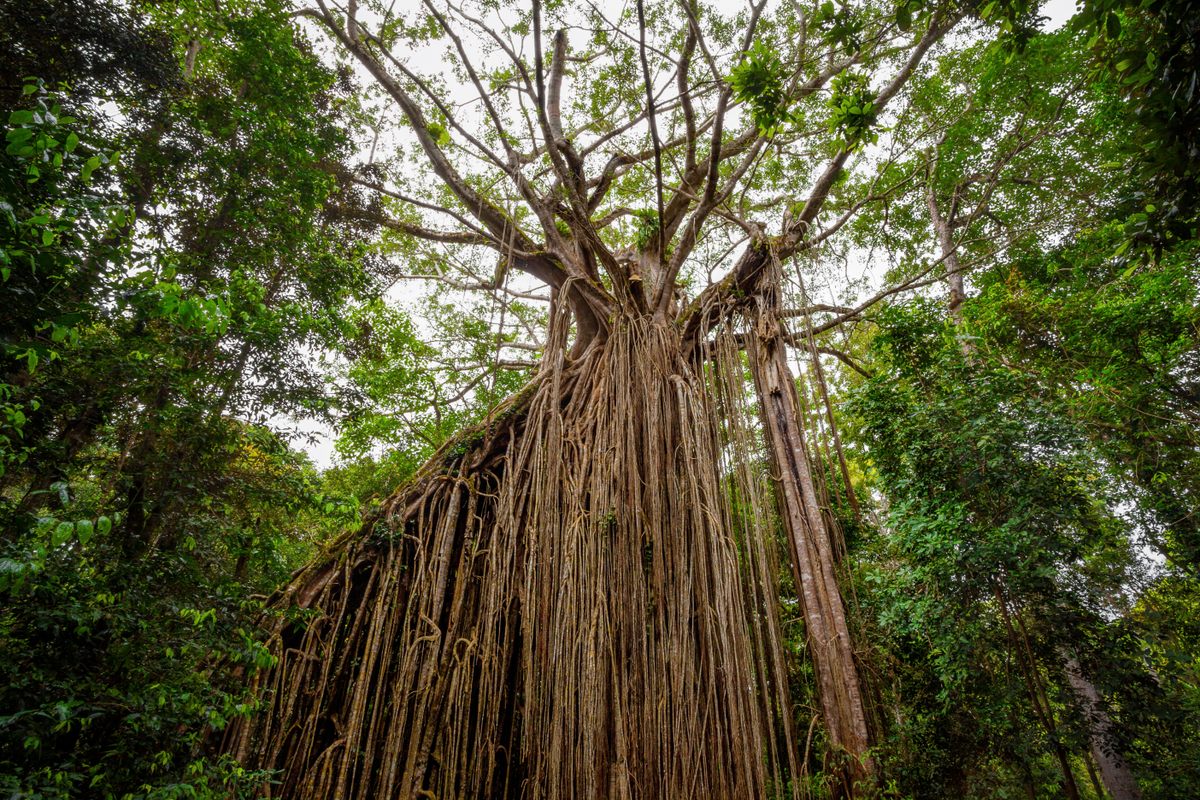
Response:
column 1114, row 772
column 813, row 554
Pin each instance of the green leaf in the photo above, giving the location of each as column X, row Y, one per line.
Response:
column 92, row 164
column 62, row 533
column 84, row 529
column 439, row 133
column 16, row 136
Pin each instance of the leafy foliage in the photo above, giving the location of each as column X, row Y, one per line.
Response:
column 162, row 282
column 1007, row 556
column 758, row 82
column 852, row 107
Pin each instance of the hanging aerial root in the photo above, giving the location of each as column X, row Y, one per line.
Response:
column 579, row 604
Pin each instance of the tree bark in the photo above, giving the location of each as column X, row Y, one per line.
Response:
column 944, row 233
column 1114, row 771
column 839, row 688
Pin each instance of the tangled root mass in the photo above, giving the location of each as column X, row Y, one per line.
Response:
column 579, row 604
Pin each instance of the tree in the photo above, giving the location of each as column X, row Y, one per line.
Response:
column 976, row 445
column 557, row 604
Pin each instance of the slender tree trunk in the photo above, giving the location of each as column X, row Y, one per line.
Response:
column 141, row 501
column 813, row 558
column 1038, row 702
column 943, row 231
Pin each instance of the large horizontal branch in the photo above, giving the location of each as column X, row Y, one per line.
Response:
column 418, row 231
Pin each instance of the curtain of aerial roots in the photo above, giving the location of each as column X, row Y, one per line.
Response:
column 582, row 605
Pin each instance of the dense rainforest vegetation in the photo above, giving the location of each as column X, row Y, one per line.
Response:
column 728, row 400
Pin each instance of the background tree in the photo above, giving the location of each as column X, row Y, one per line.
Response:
column 168, row 265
